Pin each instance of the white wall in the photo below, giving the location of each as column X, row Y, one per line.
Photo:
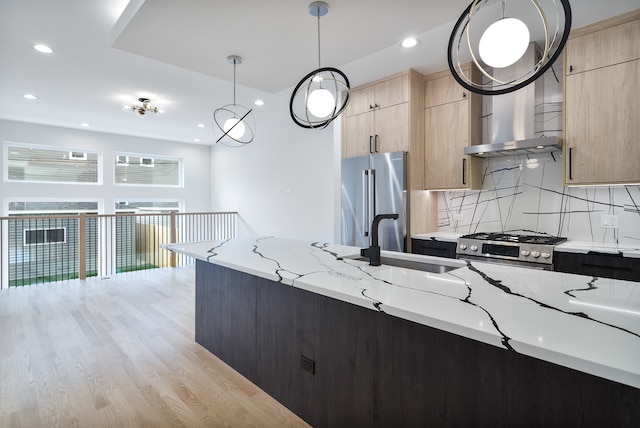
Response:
column 195, row 194
column 282, row 184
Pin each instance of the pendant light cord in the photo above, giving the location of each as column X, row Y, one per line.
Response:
column 318, row 36
column 234, row 81
column 504, row 2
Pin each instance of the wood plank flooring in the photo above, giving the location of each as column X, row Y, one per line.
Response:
column 119, row 352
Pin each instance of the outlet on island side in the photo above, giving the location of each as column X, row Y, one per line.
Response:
column 608, row 221
column 307, row 364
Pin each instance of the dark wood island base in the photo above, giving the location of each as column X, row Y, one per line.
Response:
column 341, row 365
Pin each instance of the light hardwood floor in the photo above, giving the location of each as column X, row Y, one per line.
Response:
column 119, row 352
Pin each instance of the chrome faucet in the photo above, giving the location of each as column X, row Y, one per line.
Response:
column 373, row 252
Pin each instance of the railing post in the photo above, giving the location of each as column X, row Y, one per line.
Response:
column 172, row 239
column 82, row 245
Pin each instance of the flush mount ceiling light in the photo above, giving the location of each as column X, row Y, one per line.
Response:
column 409, row 42
column 504, row 42
column 316, row 100
column 236, row 122
column 43, row 48
column 144, row 108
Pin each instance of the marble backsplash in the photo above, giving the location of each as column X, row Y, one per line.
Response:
column 526, row 193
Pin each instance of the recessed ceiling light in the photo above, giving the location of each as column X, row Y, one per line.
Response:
column 43, row 49
column 197, row 140
column 84, row 124
column 201, row 125
column 409, row 42
column 259, row 102
column 30, row 96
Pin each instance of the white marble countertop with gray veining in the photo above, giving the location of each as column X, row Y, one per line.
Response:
column 585, row 247
column 585, row 323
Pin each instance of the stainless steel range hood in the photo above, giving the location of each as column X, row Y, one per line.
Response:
column 518, row 147
column 523, row 122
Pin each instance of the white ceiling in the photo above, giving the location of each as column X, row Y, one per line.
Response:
column 108, row 52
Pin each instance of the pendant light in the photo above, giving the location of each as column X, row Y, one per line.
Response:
column 236, row 122
column 505, row 41
column 316, row 99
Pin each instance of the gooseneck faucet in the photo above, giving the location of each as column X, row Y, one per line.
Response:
column 373, row 252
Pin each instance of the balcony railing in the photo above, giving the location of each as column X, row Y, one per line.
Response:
column 46, row 248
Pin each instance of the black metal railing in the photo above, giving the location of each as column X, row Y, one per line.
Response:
column 46, row 248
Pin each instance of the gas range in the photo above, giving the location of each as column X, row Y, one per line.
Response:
column 527, row 250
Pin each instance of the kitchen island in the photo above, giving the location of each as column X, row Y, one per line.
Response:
column 342, row 343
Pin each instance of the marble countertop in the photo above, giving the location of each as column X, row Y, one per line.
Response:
column 600, row 247
column 588, row 324
column 438, row 236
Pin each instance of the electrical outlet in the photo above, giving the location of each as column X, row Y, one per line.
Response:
column 609, row 221
column 307, row 364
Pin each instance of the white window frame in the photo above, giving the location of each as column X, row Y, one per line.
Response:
column 5, row 164
column 46, row 234
column 78, row 155
column 150, row 162
column 153, row 157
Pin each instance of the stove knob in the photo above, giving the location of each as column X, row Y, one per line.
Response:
column 525, row 253
column 463, row 246
column 474, row 248
column 545, row 255
column 535, row 254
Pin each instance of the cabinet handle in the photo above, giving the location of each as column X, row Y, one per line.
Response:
column 464, row 95
column 370, row 143
column 570, row 163
column 375, row 143
column 464, row 167
column 571, row 69
column 371, row 107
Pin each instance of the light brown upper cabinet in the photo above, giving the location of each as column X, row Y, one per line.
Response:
column 453, row 121
column 378, row 117
column 602, row 103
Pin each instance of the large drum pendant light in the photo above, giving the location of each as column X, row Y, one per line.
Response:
column 235, row 122
column 504, row 41
column 316, row 99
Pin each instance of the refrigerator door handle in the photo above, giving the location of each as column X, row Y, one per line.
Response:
column 365, row 196
column 371, row 196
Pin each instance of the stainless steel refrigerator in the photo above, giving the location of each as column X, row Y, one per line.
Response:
column 371, row 185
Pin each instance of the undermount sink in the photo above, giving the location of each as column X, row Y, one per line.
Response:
column 415, row 262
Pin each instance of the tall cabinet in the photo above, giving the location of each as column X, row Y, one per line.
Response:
column 602, row 103
column 387, row 115
column 453, row 121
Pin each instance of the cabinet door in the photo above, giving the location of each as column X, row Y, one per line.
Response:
column 446, row 135
column 443, row 89
column 391, row 92
column 602, row 126
column 358, row 135
column 609, row 46
column 392, row 129
column 360, row 101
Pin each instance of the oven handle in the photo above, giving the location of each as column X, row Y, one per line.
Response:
column 498, row 261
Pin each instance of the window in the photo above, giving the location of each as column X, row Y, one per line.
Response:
column 149, row 170
column 78, row 155
column 142, row 207
column 146, row 162
column 44, row 236
column 51, row 165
